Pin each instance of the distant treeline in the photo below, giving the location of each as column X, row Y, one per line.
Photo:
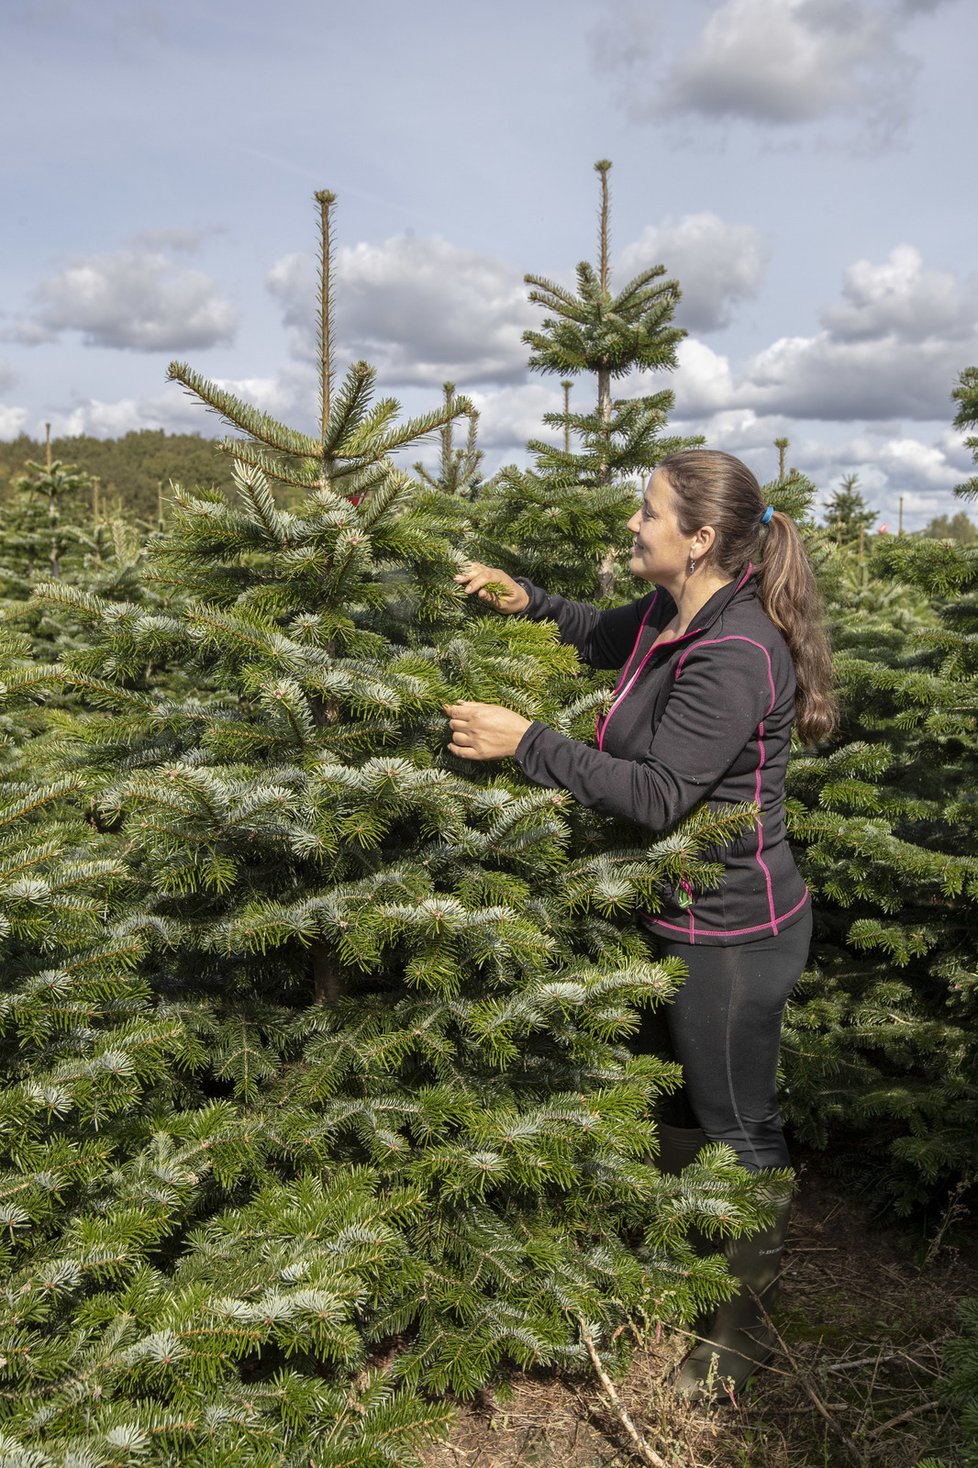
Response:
column 132, row 471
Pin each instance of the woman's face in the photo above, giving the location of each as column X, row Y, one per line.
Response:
column 660, row 550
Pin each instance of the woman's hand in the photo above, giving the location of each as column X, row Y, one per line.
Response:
column 484, row 730
column 475, row 578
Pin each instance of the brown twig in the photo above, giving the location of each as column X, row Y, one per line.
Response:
column 846, row 1365
column 645, row 1451
column 851, row 1447
column 903, row 1417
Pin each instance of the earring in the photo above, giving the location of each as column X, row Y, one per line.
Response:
column 692, row 565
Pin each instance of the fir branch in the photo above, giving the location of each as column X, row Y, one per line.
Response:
column 257, row 425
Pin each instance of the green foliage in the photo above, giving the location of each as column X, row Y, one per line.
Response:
column 966, row 395
column 880, row 1040
column 459, row 469
column 42, row 536
column 563, row 522
column 960, row 1389
column 52, row 527
column 133, row 471
column 318, row 1097
column 847, row 516
column 961, row 1358
column 959, row 527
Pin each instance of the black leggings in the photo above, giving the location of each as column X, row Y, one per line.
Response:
column 724, row 1029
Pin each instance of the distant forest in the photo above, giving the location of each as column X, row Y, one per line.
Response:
column 133, row 471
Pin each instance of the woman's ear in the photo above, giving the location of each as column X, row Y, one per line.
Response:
column 703, row 541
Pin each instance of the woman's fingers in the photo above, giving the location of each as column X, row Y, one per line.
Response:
column 484, row 730
column 493, row 586
column 475, row 576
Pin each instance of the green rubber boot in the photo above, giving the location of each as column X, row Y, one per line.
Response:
column 738, row 1338
column 678, row 1146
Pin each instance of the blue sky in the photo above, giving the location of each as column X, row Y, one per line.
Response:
column 798, row 166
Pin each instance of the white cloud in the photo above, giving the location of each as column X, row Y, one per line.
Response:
column 892, row 349
column 956, row 451
column 7, row 376
column 510, row 416
column 290, row 397
column 132, row 299
column 717, row 264
column 171, row 411
column 284, row 397
column 820, row 377
column 904, row 298
column 292, row 282
column 26, row 333
column 776, row 62
column 921, row 465
column 13, row 421
column 738, row 430
column 889, row 469
column 421, row 310
column 702, row 382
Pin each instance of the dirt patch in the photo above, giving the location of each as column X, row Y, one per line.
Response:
column 863, row 1317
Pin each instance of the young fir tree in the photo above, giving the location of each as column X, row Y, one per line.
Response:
column 42, row 534
column 562, row 523
column 53, row 526
column 400, row 1133
column 880, row 1046
column 459, row 470
column 848, row 518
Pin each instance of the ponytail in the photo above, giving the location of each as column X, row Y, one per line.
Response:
column 789, row 594
column 714, row 488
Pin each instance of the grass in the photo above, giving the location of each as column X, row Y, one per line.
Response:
column 855, row 1383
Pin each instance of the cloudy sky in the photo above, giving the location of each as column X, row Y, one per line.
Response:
column 798, row 165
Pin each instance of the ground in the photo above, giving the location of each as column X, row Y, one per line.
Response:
column 863, row 1316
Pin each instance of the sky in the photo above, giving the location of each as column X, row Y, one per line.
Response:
column 799, row 166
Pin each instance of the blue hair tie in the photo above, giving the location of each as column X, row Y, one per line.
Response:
column 766, row 517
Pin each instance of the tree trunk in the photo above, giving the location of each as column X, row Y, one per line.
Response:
column 327, row 981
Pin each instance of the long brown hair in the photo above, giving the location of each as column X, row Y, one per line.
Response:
column 713, row 488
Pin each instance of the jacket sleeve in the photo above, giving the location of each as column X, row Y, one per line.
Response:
column 721, row 693
column 604, row 639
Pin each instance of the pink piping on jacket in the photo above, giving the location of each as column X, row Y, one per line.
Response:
column 601, row 724
column 658, row 922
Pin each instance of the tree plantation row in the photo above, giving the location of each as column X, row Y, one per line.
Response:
column 321, row 1096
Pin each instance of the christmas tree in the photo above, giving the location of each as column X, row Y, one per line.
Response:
column 847, row 515
column 54, row 525
column 880, row 1046
column 336, row 1108
column 563, row 522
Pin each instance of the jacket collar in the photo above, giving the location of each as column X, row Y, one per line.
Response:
column 710, row 612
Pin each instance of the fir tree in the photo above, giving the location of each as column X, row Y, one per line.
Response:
column 880, row 1044
column 459, row 470
column 966, row 395
column 347, row 1115
column 42, row 534
column 54, row 526
column 847, row 516
column 564, row 521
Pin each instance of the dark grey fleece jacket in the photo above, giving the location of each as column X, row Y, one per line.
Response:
column 706, row 716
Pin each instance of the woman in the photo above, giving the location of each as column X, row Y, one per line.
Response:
column 716, row 663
